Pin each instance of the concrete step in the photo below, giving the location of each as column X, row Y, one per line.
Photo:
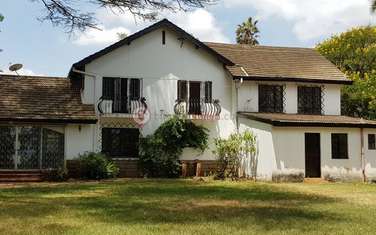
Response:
column 315, row 180
column 20, row 176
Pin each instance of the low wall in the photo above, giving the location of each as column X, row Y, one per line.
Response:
column 129, row 168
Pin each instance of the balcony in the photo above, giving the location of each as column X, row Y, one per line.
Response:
column 198, row 108
column 121, row 107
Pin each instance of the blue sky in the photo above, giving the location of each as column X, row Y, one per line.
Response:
column 48, row 50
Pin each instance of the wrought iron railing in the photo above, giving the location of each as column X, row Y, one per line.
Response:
column 201, row 107
column 126, row 106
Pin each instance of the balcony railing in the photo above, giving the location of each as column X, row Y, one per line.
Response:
column 126, row 106
column 199, row 107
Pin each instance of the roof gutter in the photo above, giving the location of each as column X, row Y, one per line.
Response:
column 290, row 79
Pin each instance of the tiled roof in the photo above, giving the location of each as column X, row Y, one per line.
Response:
column 283, row 119
column 48, row 99
column 279, row 63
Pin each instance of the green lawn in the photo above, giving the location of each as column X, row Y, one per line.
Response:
column 187, row 207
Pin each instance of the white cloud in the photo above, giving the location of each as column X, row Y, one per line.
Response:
column 201, row 23
column 104, row 36
column 23, row 71
column 312, row 19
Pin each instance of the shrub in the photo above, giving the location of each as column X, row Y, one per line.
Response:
column 231, row 151
column 97, row 166
column 58, row 175
column 159, row 153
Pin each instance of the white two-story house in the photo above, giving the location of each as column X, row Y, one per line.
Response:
column 289, row 97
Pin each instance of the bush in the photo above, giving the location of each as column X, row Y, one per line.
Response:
column 231, row 151
column 97, row 166
column 159, row 153
column 58, row 175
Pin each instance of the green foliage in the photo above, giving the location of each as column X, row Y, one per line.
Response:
column 1, row 17
column 159, row 153
column 229, row 152
column 359, row 99
column 247, row 32
column 97, row 166
column 354, row 52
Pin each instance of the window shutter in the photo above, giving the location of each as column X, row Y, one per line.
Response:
column 208, row 92
column 182, row 90
column 135, row 89
column 123, row 95
column 108, row 88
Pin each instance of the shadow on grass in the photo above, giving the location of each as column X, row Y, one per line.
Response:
column 156, row 202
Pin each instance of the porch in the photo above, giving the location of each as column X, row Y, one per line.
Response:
column 30, row 147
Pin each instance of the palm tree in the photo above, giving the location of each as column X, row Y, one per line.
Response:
column 247, row 32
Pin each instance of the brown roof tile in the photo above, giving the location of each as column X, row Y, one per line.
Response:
column 279, row 63
column 42, row 99
column 283, row 119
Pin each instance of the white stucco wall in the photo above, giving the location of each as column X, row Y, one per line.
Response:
column 370, row 155
column 283, row 148
column 289, row 144
column 332, row 99
column 248, row 97
column 78, row 140
column 266, row 152
column 160, row 67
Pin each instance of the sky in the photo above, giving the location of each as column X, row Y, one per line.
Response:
column 47, row 50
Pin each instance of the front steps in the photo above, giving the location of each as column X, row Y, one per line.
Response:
column 13, row 176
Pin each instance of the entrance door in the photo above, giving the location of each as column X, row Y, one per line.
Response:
column 312, row 155
column 194, row 98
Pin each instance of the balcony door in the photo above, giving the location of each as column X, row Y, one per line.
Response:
column 121, row 91
column 195, row 98
column 196, row 95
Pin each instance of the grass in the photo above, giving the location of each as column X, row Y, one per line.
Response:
column 187, row 207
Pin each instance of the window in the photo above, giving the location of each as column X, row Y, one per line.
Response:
column 31, row 147
column 135, row 89
column 271, row 98
column 309, row 100
column 120, row 142
column 372, row 141
column 195, row 90
column 108, row 88
column 208, row 92
column 164, row 37
column 339, row 146
column 116, row 89
column 182, row 90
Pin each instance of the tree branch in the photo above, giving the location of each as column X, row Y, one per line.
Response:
column 65, row 14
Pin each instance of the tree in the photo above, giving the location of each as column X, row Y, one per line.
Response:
column 373, row 6
column 247, row 32
column 354, row 53
column 1, row 19
column 122, row 35
column 67, row 14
